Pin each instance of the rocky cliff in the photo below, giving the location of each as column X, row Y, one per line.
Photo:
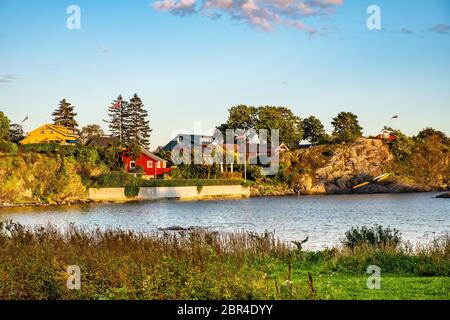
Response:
column 337, row 168
column 37, row 178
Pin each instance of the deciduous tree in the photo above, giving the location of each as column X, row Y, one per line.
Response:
column 346, row 127
column 4, row 126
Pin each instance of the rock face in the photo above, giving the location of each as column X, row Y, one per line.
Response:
column 353, row 164
column 444, row 195
column 337, row 168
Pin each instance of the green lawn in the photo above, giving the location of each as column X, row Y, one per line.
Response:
column 393, row 287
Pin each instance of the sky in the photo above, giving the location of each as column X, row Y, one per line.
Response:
column 191, row 60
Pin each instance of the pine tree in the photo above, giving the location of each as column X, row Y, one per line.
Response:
column 65, row 115
column 118, row 115
column 137, row 126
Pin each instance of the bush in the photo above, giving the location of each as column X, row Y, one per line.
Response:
column 40, row 147
column 376, row 236
column 8, row 147
column 113, row 180
column 328, row 153
column 254, row 172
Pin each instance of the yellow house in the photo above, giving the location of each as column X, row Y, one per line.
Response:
column 51, row 133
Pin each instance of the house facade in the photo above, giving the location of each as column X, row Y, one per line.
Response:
column 386, row 135
column 51, row 133
column 153, row 166
column 193, row 140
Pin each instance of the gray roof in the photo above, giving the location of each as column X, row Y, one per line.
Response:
column 152, row 155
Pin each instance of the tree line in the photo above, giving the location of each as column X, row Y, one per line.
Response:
column 127, row 122
column 292, row 128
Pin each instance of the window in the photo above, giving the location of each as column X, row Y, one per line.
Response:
column 158, row 165
column 42, row 131
column 132, row 164
column 164, row 164
column 149, row 164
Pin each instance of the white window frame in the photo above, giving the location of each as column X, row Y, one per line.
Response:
column 150, row 164
column 158, row 165
column 132, row 164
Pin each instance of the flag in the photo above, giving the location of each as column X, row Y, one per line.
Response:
column 395, row 117
column 26, row 118
column 118, row 104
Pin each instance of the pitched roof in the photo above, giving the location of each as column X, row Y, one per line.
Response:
column 151, row 155
column 99, row 141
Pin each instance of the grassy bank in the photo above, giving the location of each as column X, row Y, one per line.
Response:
column 208, row 265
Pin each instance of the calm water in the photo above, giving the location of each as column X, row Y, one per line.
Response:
column 420, row 217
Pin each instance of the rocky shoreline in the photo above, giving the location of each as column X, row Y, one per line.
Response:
column 444, row 195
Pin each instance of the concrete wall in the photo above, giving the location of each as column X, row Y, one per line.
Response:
column 193, row 192
column 156, row 193
column 113, row 194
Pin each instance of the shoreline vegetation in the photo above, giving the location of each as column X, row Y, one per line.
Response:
column 202, row 264
column 52, row 174
column 62, row 173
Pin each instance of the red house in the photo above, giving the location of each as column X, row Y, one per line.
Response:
column 386, row 135
column 152, row 164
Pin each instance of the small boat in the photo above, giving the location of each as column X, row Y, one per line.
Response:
column 374, row 180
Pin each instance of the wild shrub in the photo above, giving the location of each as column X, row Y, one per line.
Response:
column 376, row 236
column 8, row 147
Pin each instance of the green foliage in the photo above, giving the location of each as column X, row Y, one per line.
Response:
column 314, row 130
column 113, row 180
column 376, row 236
column 266, row 117
column 132, row 190
column 254, row 172
column 65, row 115
column 118, row 118
column 283, row 119
column 198, row 264
column 45, row 148
column 137, row 130
column 402, row 148
column 4, row 126
column 429, row 132
column 8, row 147
column 16, row 133
column 346, row 127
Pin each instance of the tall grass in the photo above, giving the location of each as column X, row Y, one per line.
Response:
column 197, row 264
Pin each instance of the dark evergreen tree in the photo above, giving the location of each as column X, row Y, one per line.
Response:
column 313, row 130
column 65, row 115
column 137, row 126
column 16, row 133
column 118, row 116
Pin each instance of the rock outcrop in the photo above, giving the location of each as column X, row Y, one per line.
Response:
column 336, row 169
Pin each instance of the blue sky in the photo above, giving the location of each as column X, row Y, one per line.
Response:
column 190, row 65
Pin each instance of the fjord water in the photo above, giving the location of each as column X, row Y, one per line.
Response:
column 324, row 219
